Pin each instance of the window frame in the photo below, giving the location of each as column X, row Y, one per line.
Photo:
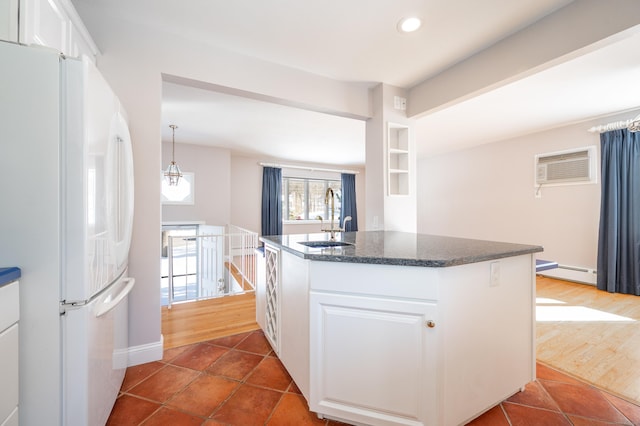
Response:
column 188, row 200
column 306, row 219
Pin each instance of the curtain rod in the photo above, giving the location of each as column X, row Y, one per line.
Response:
column 633, row 125
column 616, row 125
column 311, row 169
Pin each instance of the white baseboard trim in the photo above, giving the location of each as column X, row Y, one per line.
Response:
column 572, row 273
column 145, row 353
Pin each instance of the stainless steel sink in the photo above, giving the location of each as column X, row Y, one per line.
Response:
column 324, row 244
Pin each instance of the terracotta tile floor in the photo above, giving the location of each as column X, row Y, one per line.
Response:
column 238, row 380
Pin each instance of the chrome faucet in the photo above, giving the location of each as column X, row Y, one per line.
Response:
column 326, row 202
column 332, row 229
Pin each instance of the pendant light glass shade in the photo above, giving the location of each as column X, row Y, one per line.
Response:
column 173, row 173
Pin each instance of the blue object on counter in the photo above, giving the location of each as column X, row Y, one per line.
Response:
column 8, row 275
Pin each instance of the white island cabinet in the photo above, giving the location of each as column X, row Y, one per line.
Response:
column 9, row 313
column 378, row 333
column 374, row 352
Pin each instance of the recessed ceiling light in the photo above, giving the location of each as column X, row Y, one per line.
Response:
column 408, row 25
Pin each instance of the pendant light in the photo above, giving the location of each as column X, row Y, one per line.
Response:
column 173, row 173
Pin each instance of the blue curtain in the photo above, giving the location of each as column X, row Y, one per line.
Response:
column 349, row 201
column 619, row 237
column 271, row 201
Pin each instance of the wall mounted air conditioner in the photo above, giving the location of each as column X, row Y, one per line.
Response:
column 566, row 167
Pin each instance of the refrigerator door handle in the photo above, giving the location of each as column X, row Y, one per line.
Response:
column 111, row 303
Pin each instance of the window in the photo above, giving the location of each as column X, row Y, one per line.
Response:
column 181, row 194
column 303, row 199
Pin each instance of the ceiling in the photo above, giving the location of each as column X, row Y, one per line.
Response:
column 260, row 128
column 600, row 83
column 357, row 41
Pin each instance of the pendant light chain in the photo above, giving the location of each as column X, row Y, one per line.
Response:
column 173, row 143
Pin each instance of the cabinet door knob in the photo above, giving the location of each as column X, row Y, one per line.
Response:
column 430, row 324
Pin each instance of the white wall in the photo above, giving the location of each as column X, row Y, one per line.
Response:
column 229, row 187
column 392, row 213
column 212, row 177
column 488, row 193
column 246, row 192
column 374, row 158
column 400, row 211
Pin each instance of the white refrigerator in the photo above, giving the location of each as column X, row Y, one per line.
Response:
column 66, row 188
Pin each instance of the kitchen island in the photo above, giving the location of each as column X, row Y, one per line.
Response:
column 393, row 328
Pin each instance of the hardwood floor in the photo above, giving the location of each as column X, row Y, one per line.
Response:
column 587, row 333
column 590, row 334
column 192, row 322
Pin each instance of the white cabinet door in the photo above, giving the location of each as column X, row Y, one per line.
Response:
column 373, row 360
column 46, row 24
column 79, row 44
column 8, row 371
column 9, row 20
column 52, row 23
column 12, row 420
column 9, row 305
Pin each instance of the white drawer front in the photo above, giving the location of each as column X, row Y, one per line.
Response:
column 13, row 419
column 9, row 305
column 8, row 371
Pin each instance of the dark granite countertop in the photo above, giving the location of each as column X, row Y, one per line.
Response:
column 8, row 275
column 399, row 248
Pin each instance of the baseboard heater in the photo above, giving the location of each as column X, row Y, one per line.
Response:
column 572, row 273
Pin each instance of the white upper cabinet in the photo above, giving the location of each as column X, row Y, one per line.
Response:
column 55, row 24
column 46, row 24
column 9, row 20
column 80, row 43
